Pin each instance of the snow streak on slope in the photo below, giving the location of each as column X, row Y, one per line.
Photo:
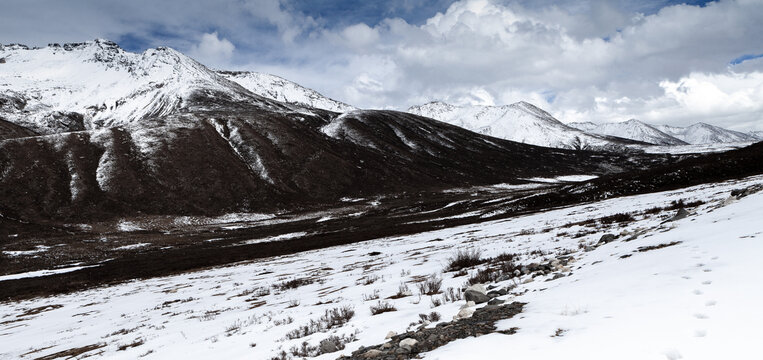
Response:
column 280, row 89
column 97, row 84
column 693, row 299
column 521, row 122
column 701, row 133
column 632, row 129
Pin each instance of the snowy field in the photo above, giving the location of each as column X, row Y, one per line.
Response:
column 698, row 298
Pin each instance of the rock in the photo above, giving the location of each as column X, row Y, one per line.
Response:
column 525, row 270
column 2, row 60
column 502, row 291
column 327, row 346
column 478, row 288
column 607, row 238
column 408, row 343
column 373, row 353
column 386, row 345
column 390, row 335
column 740, row 193
column 402, row 350
column 493, row 294
column 496, row 302
column 680, row 214
column 476, row 296
column 468, row 304
column 464, row 313
column 517, row 273
column 528, row 280
column 556, row 276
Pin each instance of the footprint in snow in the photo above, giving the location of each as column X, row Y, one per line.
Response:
column 700, row 333
column 697, row 292
column 707, row 282
column 711, row 303
column 700, row 316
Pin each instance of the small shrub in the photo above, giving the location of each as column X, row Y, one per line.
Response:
column 368, row 280
column 374, row 296
column 559, row 332
column 292, row 304
column 617, row 218
column 464, row 259
column 435, row 301
column 382, row 307
column 483, row 276
column 504, row 257
column 452, row 295
column 233, row 328
column 332, row 318
column 282, row 356
column 431, row 317
column 462, row 272
column 293, row 283
column 430, row 286
column 306, row 350
column 136, row 343
column 402, row 291
column 287, row 320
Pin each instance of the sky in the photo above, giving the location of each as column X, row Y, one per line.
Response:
column 663, row 62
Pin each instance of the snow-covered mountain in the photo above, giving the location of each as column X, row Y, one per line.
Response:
column 632, row 129
column 521, row 122
column 701, row 133
column 112, row 133
column 97, row 84
column 278, row 88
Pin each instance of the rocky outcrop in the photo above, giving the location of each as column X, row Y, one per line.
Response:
column 410, row 344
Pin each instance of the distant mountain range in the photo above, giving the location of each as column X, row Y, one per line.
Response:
column 526, row 123
column 631, row 129
column 701, row 133
column 521, row 122
column 696, row 134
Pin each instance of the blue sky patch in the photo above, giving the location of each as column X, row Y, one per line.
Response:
column 744, row 58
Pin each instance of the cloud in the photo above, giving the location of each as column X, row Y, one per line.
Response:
column 212, row 50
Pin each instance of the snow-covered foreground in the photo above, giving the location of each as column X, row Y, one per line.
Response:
column 698, row 298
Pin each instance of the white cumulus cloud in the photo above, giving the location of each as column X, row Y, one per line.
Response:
column 212, row 50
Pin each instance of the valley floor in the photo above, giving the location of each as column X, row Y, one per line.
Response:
column 662, row 289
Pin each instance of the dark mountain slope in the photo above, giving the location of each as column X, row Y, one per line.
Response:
column 9, row 130
column 221, row 155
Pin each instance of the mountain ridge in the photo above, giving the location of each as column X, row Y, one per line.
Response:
column 521, row 122
column 631, row 129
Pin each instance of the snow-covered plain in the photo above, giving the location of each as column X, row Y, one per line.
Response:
column 697, row 299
